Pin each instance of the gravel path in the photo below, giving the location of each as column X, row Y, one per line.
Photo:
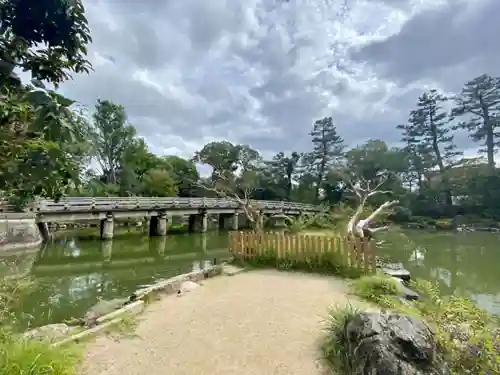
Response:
column 255, row 323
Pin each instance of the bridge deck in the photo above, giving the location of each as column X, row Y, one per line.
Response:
column 104, row 204
column 260, row 322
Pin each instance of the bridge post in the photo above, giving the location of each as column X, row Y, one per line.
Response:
column 107, row 228
column 158, row 225
column 198, row 223
column 235, row 222
column 43, row 228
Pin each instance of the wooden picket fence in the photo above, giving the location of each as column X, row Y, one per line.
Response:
column 356, row 253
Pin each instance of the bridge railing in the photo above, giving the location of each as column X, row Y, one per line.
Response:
column 84, row 204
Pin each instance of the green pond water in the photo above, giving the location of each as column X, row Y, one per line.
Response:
column 71, row 274
column 462, row 263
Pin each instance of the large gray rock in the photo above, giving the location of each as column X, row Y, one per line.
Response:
column 391, row 344
column 51, row 332
column 101, row 308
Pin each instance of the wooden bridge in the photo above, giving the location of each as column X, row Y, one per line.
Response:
column 106, row 209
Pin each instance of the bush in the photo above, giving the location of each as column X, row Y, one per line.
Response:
column 401, row 214
column 372, row 288
column 333, row 347
column 467, row 335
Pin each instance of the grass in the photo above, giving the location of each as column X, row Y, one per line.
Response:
column 20, row 356
column 333, row 347
column 371, row 288
column 23, row 357
column 467, row 336
column 330, row 263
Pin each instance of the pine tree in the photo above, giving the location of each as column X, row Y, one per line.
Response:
column 428, row 131
column 480, row 99
column 328, row 147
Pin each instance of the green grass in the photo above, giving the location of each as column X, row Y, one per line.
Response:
column 371, row 288
column 333, row 347
column 23, row 357
column 331, row 263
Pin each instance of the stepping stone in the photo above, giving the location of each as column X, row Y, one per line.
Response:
column 406, row 292
column 230, row 270
column 402, row 273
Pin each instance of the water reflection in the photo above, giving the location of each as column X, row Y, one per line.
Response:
column 464, row 263
column 71, row 274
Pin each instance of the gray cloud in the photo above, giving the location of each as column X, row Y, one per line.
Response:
column 447, row 45
column 258, row 72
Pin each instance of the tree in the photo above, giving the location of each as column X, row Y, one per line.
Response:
column 113, row 136
column 46, row 37
column 222, row 156
column 429, row 130
column 185, row 173
column 281, row 170
column 160, row 183
column 327, row 149
column 36, row 153
column 480, row 100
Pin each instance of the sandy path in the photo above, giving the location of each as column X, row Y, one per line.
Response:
column 260, row 322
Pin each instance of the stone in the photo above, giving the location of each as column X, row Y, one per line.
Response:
column 50, row 332
column 102, row 308
column 391, row 344
column 406, row 292
column 188, row 286
column 400, row 273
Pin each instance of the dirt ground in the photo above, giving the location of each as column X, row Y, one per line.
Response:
column 255, row 323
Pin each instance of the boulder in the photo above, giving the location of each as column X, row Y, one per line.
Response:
column 51, row 332
column 391, row 344
column 102, row 308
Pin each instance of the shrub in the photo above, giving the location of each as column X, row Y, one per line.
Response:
column 401, row 214
column 373, row 287
column 467, row 335
column 333, row 347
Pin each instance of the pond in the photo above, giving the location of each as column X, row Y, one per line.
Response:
column 461, row 262
column 71, row 274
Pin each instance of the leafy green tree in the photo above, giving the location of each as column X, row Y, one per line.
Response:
column 328, row 147
column 46, row 37
column 223, row 157
column 160, row 183
column 185, row 173
column 479, row 100
column 112, row 136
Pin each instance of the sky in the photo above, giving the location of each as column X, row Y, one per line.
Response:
column 260, row 72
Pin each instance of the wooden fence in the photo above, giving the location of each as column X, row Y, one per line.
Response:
column 356, row 254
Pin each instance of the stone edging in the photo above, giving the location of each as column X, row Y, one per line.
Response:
column 167, row 287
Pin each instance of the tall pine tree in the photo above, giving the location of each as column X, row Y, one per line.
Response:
column 328, row 147
column 428, row 130
column 480, row 101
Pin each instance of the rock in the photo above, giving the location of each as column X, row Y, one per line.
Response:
column 400, row 273
column 102, row 308
column 51, row 332
column 391, row 344
column 406, row 292
column 188, row 286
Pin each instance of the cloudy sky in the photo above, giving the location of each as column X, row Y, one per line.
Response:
column 260, row 72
